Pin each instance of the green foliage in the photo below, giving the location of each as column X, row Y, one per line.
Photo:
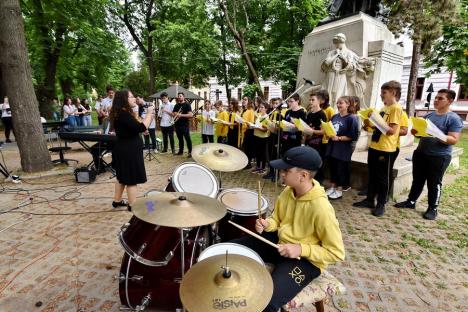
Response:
column 138, row 82
column 451, row 50
column 250, row 90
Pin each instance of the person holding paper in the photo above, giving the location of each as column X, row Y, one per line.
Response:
column 261, row 140
column 432, row 156
column 221, row 130
column 314, row 119
column 247, row 134
column 275, row 117
column 233, row 132
column 292, row 139
column 207, row 128
column 382, row 147
column 339, row 147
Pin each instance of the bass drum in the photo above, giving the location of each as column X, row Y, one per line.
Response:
column 150, row 273
column 191, row 177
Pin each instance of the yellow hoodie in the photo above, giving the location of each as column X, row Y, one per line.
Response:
column 309, row 221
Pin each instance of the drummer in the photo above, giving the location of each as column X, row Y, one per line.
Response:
column 303, row 224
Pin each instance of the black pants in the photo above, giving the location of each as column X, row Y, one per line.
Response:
column 392, row 163
column 431, row 169
column 290, row 276
column 168, row 132
column 261, row 148
column 379, row 167
column 233, row 136
column 8, row 123
column 184, row 132
column 319, row 148
column 222, row 139
column 249, row 144
column 339, row 171
column 152, row 135
column 207, row 138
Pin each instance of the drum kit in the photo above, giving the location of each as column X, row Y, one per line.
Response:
column 176, row 251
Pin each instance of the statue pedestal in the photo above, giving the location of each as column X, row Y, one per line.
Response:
column 367, row 37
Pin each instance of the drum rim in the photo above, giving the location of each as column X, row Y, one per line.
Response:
column 210, row 173
column 231, row 244
column 265, row 203
column 152, row 190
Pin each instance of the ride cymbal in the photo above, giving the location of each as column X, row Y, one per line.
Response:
column 219, row 157
column 205, row 288
column 179, row 210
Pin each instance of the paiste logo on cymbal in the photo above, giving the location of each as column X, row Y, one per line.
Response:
column 220, row 304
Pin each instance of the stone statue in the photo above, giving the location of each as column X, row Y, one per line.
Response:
column 346, row 7
column 345, row 72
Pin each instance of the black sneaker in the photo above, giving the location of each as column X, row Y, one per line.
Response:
column 364, row 204
column 180, row 153
column 269, row 175
column 121, row 203
column 379, row 210
column 249, row 166
column 164, row 151
column 430, row 214
column 406, row 204
column 7, row 141
column 362, row 193
column 189, row 155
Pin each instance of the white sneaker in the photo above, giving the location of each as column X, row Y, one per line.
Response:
column 330, row 191
column 336, row 194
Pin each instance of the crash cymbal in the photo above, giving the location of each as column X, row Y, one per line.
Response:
column 178, row 209
column 219, row 157
column 205, row 288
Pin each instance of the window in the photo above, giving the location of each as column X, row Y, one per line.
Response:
column 266, row 93
column 239, row 93
column 419, row 88
column 463, row 93
column 204, row 96
column 217, row 94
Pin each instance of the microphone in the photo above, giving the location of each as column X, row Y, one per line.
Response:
column 307, row 81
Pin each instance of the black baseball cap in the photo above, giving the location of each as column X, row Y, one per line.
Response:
column 303, row 157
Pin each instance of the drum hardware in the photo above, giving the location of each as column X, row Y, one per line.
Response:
column 144, row 303
column 120, row 277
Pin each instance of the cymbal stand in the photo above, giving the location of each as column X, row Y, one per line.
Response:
column 182, row 255
column 150, row 155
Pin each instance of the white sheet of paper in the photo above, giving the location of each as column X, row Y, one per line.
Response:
column 435, row 132
column 378, row 122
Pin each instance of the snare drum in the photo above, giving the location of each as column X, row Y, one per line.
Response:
column 151, row 265
column 191, row 177
column 242, row 208
column 231, row 248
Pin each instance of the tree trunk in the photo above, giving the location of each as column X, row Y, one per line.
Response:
column 250, row 65
column 225, row 66
column 66, row 85
column 413, row 78
column 18, row 80
column 151, row 72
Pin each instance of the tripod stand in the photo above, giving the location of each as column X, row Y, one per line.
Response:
column 150, row 155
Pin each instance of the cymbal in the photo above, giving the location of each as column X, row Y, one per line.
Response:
column 204, row 287
column 219, row 157
column 177, row 209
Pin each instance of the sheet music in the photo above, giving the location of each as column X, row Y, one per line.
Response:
column 379, row 122
column 435, row 131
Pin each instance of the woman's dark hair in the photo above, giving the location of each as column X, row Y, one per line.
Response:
column 119, row 104
column 323, row 97
column 65, row 100
column 355, row 105
column 235, row 104
column 75, row 101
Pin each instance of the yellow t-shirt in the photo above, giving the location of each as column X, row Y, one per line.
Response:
column 222, row 130
column 311, row 222
column 403, row 123
column 329, row 112
column 248, row 115
column 392, row 115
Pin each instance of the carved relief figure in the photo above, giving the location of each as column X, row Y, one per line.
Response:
column 345, row 71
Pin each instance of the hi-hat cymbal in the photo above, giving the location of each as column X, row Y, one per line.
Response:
column 219, row 157
column 204, row 287
column 178, row 209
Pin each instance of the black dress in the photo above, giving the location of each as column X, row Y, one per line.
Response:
column 127, row 156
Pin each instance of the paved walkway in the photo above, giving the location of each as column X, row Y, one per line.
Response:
column 68, row 262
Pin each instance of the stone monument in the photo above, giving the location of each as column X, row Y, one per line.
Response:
column 370, row 50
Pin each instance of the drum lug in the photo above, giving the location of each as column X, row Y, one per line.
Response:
column 120, row 277
column 136, row 278
column 144, row 303
column 142, row 247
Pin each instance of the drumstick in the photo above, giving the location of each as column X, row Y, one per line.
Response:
column 259, row 200
column 266, row 241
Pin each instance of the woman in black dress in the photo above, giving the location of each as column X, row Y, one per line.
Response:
column 127, row 156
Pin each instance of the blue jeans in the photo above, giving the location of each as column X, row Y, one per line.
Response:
column 71, row 121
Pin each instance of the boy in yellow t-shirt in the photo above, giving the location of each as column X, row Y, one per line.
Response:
column 303, row 224
column 382, row 149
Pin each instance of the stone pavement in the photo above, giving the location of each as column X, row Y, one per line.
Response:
column 48, row 262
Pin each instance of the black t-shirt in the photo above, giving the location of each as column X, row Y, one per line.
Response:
column 184, row 109
column 299, row 114
column 314, row 120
